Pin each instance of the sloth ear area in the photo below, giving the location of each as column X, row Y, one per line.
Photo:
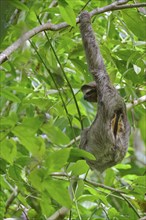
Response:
column 90, row 92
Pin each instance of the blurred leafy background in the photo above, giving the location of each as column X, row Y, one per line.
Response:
column 43, row 112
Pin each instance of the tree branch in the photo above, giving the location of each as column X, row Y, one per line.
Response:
column 114, row 7
column 13, row 195
column 59, row 214
column 53, row 4
column 48, row 26
column 73, row 141
column 121, row 193
column 130, row 205
column 103, row 186
column 58, row 174
column 136, row 102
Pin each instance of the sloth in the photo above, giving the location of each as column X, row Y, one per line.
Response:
column 108, row 135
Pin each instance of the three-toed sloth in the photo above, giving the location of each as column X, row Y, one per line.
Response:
column 107, row 137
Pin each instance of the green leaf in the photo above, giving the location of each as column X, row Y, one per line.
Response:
column 123, row 166
column 131, row 75
column 10, row 96
column 67, row 12
column 139, row 187
column 15, row 173
column 135, row 22
column 113, row 213
column 22, row 199
column 79, row 188
column 73, row 111
column 55, row 135
column 26, row 133
column 3, row 204
column 97, row 195
column 36, row 178
column 21, row 89
column 2, row 76
column 35, row 145
column 41, row 103
column 130, row 177
column 110, row 177
column 79, row 167
column 76, row 154
column 9, row 121
column 28, row 127
column 141, row 180
column 31, row 213
column 8, row 150
column 56, row 160
column 58, row 191
column 46, row 206
column 19, row 5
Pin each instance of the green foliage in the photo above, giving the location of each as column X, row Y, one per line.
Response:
column 6, row 11
column 42, row 168
column 132, row 20
column 19, row 5
column 67, row 12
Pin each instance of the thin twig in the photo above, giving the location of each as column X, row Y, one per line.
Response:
column 103, row 186
column 53, row 4
column 48, row 26
column 59, row 214
column 114, row 7
column 73, row 142
column 136, row 102
column 130, row 204
column 13, row 195
column 58, row 174
column 85, row 6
